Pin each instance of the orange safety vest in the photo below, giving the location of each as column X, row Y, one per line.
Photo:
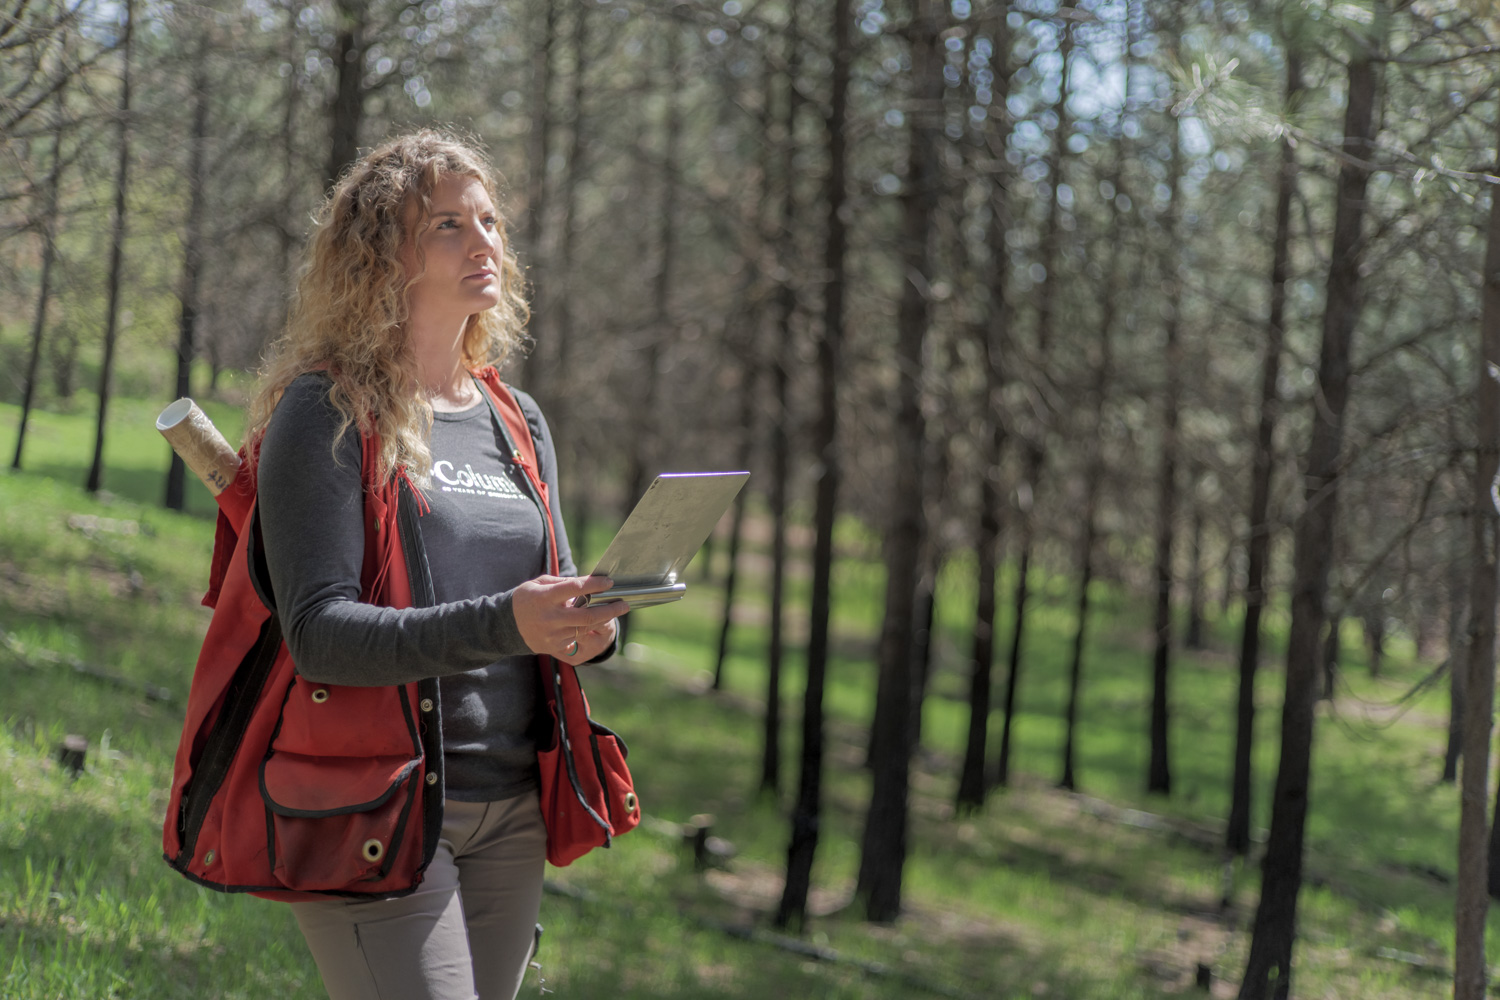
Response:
column 295, row 790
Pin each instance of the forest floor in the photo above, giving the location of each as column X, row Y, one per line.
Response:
column 1105, row 894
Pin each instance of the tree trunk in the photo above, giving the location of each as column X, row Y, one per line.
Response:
column 883, row 849
column 1268, row 968
column 1476, row 867
column 925, row 605
column 1034, row 460
column 1258, row 547
column 1458, row 630
column 192, row 262
column 347, row 113
column 786, row 308
column 661, row 325
column 992, row 334
column 1375, row 640
column 1036, row 454
column 44, row 292
column 551, row 377
column 538, row 148
column 803, row 845
column 1159, row 770
column 1094, row 469
column 737, row 526
column 1332, row 650
column 116, row 253
column 1193, row 635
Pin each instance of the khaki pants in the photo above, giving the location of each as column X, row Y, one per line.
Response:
column 468, row 929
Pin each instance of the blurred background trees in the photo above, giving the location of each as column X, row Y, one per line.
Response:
column 1051, row 281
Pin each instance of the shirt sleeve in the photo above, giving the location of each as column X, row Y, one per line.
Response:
column 310, row 497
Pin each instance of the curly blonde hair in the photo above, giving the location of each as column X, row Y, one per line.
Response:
column 349, row 311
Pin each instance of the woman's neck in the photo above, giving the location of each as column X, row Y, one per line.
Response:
column 440, row 371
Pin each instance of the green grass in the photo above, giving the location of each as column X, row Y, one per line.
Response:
column 1044, row 894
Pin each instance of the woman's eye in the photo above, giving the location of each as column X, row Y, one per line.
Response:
column 489, row 221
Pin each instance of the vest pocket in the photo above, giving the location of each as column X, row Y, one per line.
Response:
column 334, row 822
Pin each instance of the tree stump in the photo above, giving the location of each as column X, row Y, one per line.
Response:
column 1204, row 979
column 695, row 834
column 71, row 753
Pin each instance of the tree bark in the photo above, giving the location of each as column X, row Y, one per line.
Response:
column 737, row 527
column 661, row 325
column 192, row 263
column 1094, row 468
column 992, row 335
column 883, row 848
column 1476, row 869
column 116, row 253
column 347, row 112
column 786, row 308
column 1193, row 635
column 1268, row 968
column 803, row 845
column 538, row 148
column 1159, row 769
column 1458, row 630
column 1332, row 651
column 1036, row 454
column 1258, row 547
column 44, row 292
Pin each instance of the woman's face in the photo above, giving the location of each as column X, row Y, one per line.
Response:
column 453, row 261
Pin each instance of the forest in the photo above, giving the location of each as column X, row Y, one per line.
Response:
column 1050, row 304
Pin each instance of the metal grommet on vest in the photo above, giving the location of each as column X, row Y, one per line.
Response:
column 320, row 695
column 431, row 778
column 426, row 704
column 208, row 858
column 373, row 850
column 630, row 802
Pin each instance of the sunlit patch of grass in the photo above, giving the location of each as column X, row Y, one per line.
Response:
column 1045, row 893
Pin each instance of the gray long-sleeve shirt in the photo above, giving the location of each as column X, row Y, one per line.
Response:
column 483, row 537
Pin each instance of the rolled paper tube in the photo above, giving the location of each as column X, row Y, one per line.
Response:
column 202, row 448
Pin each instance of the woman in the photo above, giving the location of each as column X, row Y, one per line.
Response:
column 410, row 286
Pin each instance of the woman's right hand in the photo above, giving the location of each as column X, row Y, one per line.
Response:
column 550, row 624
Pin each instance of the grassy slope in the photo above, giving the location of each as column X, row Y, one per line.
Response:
column 1045, row 894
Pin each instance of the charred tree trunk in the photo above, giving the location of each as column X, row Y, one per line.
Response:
column 883, row 848
column 1192, row 637
column 551, row 379
column 1458, row 656
column 1258, row 547
column 992, row 336
column 1094, row 471
column 44, row 292
column 116, row 253
column 803, row 845
column 538, row 148
column 1478, row 867
column 192, row 262
column 1036, row 455
column 1159, row 769
column 786, row 308
column 347, row 113
column 731, row 578
column 1374, row 622
column 288, row 227
column 1332, row 650
column 1268, row 968
column 661, row 324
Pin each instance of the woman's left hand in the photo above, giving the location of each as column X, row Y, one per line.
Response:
column 592, row 642
column 551, row 624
